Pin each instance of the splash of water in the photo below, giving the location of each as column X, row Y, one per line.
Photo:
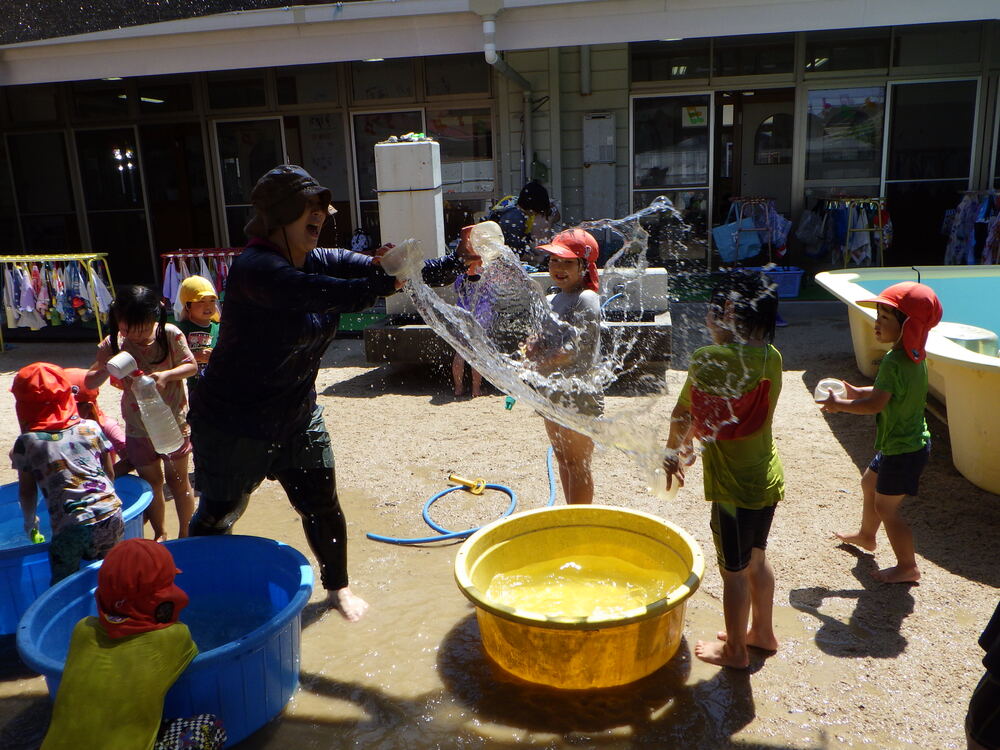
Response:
column 507, row 309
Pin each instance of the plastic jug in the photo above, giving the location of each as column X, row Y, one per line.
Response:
column 487, row 240
column 156, row 416
column 159, row 421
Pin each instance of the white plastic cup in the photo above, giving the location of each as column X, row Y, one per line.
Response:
column 825, row 386
column 658, row 486
column 122, row 365
column 403, row 261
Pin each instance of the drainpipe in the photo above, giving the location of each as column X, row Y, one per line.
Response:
column 501, row 66
column 585, row 70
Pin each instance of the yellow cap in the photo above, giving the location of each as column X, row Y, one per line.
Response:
column 196, row 289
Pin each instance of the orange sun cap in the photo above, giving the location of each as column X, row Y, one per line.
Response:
column 922, row 309
column 577, row 244
column 136, row 592
column 43, row 398
column 82, row 393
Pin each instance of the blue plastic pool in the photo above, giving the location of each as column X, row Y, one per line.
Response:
column 24, row 567
column 968, row 299
column 247, row 596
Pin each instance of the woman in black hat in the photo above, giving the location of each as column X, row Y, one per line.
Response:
column 516, row 218
column 254, row 414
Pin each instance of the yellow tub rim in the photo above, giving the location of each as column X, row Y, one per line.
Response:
column 676, row 596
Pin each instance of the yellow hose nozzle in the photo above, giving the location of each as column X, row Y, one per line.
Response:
column 475, row 486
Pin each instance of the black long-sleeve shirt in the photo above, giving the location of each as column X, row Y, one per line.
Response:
column 277, row 322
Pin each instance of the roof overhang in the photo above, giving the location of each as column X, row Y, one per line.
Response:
column 415, row 28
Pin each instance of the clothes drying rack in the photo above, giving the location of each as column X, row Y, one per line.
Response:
column 853, row 205
column 87, row 260
column 751, row 208
column 223, row 255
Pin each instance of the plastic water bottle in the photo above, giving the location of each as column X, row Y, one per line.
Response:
column 156, row 416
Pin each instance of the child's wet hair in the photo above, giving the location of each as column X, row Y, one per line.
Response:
column 135, row 306
column 755, row 302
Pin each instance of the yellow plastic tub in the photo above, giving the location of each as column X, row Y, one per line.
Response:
column 580, row 652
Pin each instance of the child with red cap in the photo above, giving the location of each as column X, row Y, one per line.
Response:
column 87, row 406
column 69, row 460
column 906, row 312
column 575, row 352
column 122, row 662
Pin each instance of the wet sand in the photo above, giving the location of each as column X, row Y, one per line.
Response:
column 861, row 663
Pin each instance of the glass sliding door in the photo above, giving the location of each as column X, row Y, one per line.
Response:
column 845, row 129
column 247, row 149
column 318, row 142
column 46, row 208
column 928, row 163
column 177, row 185
column 671, row 155
column 368, row 129
column 115, row 202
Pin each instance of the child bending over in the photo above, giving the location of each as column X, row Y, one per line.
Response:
column 138, row 324
column 906, row 313
column 728, row 403
column 69, row 460
column 86, row 404
column 122, row 662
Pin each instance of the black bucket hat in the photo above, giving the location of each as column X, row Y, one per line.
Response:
column 280, row 197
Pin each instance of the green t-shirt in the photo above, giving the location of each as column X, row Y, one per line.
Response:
column 900, row 426
column 732, row 390
column 199, row 338
column 112, row 689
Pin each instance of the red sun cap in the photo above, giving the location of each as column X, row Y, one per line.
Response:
column 577, row 244
column 83, row 394
column 922, row 309
column 43, row 398
column 133, row 583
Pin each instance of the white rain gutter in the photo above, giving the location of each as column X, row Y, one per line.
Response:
column 501, row 66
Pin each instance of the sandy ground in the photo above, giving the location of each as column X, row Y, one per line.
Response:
column 861, row 663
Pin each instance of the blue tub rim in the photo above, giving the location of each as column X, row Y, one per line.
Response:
column 128, row 514
column 46, row 665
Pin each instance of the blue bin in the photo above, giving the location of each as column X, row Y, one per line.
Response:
column 787, row 278
column 245, row 591
column 24, row 567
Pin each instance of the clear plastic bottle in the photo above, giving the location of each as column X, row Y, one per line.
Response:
column 159, row 421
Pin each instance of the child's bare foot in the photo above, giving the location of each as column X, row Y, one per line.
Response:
column 720, row 653
column 897, row 574
column 351, row 606
column 763, row 643
column 477, row 394
column 858, row 540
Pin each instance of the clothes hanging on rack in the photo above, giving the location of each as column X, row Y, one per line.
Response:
column 210, row 263
column 846, row 230
column 752, row 225
column 971, row 228
column 53, row 290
